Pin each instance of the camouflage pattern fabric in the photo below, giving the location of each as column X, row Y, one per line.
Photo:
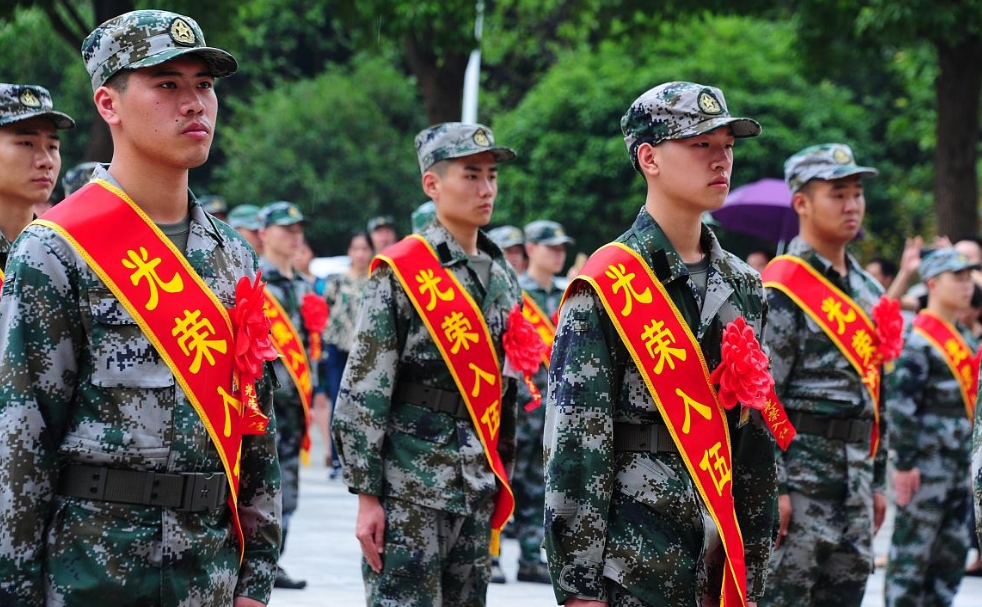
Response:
column 432, row 557
column 930, row 536
column 146, row 38
column 77, row 176
column 977, row 470
column 397, row 450
column 833, row 481
column 80, row 383
column 456, row 140
column 343, row 294
column 528, row 481
column 24, row 101
column 632, row 522
column 825, row 161
column 4, row 250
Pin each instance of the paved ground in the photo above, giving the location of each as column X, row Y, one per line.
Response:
column 323, row 550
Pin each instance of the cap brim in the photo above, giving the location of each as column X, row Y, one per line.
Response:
column 846, row 171
column 742, row 127
column 500, row 153
column 220, row 63
column 551, row 242
column 287, row 222
column 63, row 122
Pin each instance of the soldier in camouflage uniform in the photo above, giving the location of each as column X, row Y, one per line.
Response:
column 546, row 243
column 29, row 156
column 84, row 394
column 382, row 231
column 624, row 526
column 977, row 468
column 281, row 235
column 77, row 176
column 828, row 483
column 930, row 437
column 245, row 219
column 426, row 490
column 511, row 241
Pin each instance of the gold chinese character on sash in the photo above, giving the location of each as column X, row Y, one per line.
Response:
column 458, row 330
column 833, row 312
column 713, row 463
column 281, row 333
column 624, row 282
column 704, row 410
column 966, row 375
column 492, row 418
column 229, row 401
column 480, row 374
column 659, row 341
column 862, row 342
column 192, row 336
column 145, row 268
column 955, row 351
column 430, row 284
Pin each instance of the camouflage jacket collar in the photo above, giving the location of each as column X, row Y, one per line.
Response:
column 799, row 248
column 528, row 284
column 449, row 250
column 653, row 239
column 272, row 274
column 4, row 244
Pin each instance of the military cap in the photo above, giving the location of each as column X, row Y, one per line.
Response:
column 77, row 176
column 380, row 222
column 423, row 215
column 456, row 140
column 546, row 232
column 506, row 236
column 826, row 161
column 146, row 38
column 280, row 213
column 944, row 260
column 23, row 101
column 678, row 110
column 213, row 204
column 245, row 216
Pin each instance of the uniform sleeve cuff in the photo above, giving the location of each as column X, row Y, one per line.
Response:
column 581, row 581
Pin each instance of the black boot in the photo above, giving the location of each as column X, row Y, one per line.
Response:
column 497, row 575
column 285, row 581
column 533, row 571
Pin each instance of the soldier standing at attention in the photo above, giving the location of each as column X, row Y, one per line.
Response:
column 511, row 241
column 826, row 354
column 29, row 155
column 137, row 466
column 650, row 479
column 425, row 421
column 931, row 407
column 546, row 243
column 245, row 219
column 281, row 236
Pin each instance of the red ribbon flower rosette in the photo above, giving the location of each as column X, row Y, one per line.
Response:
column 314, row 311
column 524, row 350
column 251, row 349
column 743, row 375
column 889, row 329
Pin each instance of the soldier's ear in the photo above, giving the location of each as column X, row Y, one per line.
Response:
column 799, row 202
column 107, row 104
column 648, row 160
column 431, row 184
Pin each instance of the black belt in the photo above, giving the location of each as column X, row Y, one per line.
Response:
column 847, row 430
column 651, row 438
column 189, row 492
column 442, row 401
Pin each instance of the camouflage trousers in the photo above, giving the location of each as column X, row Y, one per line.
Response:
column 289, row 436
column 432, row 558
column 931, row 537
column 528, row 484
column 827, row 555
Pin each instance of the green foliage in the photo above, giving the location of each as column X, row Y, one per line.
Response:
column 339, row 145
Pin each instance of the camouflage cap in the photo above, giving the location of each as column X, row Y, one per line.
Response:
column 456, row 140
column 546, row 232
column 678, row 110
column 77, row 176
column 213, row 204
column 944, row 260
column 245, row 216
column 23, row 101
column 146, row 38
column 826, row 161
column 506, row 236
column 280, row 213
column 380, row 222
column 423, row 216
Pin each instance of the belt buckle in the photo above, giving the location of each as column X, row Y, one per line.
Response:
column 200, row 492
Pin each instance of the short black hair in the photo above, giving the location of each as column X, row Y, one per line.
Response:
column 887, row 267
column 119, row 81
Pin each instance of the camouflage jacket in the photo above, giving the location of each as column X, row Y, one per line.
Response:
column 343, row 294
column 81, row 383
column 921, row 383
column 811, row 374
column 977, row 468
column 4, row 250
column 548, row 302
column 593, row 384
column 390, row 448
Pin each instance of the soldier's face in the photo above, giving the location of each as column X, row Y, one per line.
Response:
column 166, row 113
column 383, row 237
column 550, row 258
column 515, row 255
column 695, row 172
column 832, row 210
column 30, row 160
column 464, row 195
column 282, row 241
column 252, row 237
column 953, row 289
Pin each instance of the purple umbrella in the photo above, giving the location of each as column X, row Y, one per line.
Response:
column 762, row 209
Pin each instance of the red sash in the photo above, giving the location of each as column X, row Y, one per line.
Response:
column 956, row 352
column 542, row 323
column 457, row 327
column 841, row 318
column 178, row 313
column 288, row 343
column 673, row 367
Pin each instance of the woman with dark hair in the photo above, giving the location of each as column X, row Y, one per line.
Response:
column 343, row 294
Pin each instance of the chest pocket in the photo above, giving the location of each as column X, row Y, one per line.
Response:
column 122, row 356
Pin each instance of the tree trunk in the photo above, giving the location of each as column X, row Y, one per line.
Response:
column 440, row 79
column 958, row 88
